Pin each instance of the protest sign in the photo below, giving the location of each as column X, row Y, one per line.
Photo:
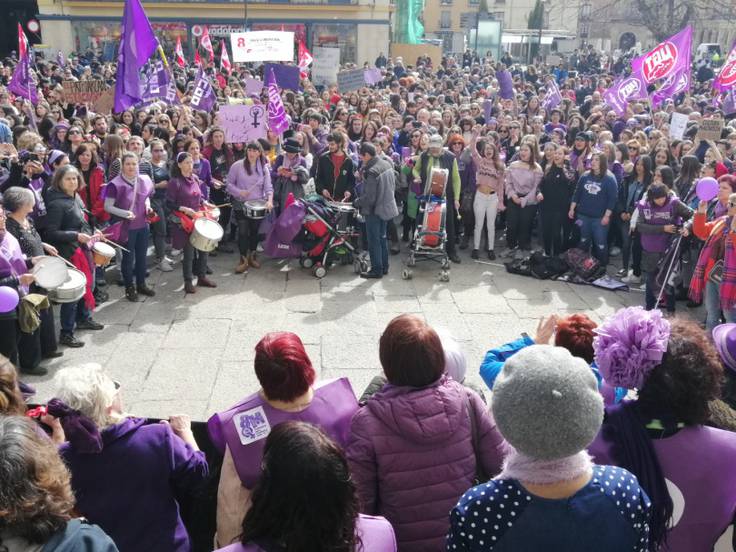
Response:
column 262, row 46
column 710, row 129
column 678, row 124
column 79, row 92
column 350, row 80
column 325, row 65
column 373, row 75
column 253, row 87
column 287, row 76
column 104, row 104
column 243, row 123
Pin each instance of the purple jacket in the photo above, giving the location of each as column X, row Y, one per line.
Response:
column 129, row 488
column 698, row 464
column 411, row 456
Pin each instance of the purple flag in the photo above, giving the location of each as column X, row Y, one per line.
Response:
column 60, row 59
column 277, row 119
column 372, row 75
column 672, row 86
column 137, row 45
column 287, row 76
column 726, row 78
column 22, row 83
column 253, row 87
column 552, row 98
column 729, row 104
column 505, row 84
column 669, row 57
column 203, row 96
column 623, row 91
column 158, row 82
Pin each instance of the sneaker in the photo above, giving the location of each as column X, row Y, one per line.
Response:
column 491, row 255
column 70, row 341
column 631, row 278
column 175, row 252
column 131, row 294
column 165, row 266
column 474, row 254
column 259, row 247
column 37, row 371
column 52, row 354
column 622, row 272
column 455, row 259
column 615, row 251
column 90, row 324
column 395, row 249
column 100, row 296
column 145, row 290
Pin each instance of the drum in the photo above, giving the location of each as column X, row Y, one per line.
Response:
column 50, row 272
column 255, row 209
column 434, row 222
column 206, row 235
column 438, row 182
column 72, row 290
column 102, row 254
column 341, row 207
column 214, row 213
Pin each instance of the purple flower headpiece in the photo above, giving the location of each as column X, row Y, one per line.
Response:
column 629, row 345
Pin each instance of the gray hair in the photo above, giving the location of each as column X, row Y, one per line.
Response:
column 90, row 390
column 16, row 197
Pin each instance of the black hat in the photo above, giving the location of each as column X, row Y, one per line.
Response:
column 292, row 146
column 583, row 136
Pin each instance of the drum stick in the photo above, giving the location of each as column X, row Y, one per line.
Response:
column 115, row 244
column 222, row 205
column 67, row 262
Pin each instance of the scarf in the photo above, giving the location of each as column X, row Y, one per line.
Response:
column 81, row 262
column 544, row 472
column 727, row 289
column 81, row 432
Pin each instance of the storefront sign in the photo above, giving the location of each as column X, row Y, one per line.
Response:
column 325, row 65
column 243, row 123
column 262, row 46
column 77, row 92
column 350, row 80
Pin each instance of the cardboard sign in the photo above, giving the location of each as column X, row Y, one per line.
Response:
column 262, row 46
column 243, row 123
column 87, row 91
column 253, row 87
column 350, row 80
column 710, row 129
column 105, row 103
column 325, row 65
column 678, row 124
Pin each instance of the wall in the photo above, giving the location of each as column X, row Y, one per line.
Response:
column 372, row 40
column 58, row 35
column 410, row 53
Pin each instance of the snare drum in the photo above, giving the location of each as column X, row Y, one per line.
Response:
column 72, row 290
column 102, row 254
column 50, row 272
column 255, row 209
column 206, row 235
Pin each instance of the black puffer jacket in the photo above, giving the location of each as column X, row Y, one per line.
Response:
column 64, row 221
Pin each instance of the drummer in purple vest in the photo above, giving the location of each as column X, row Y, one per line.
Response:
column 686, row 468
column 306, row 495
column 128, row 197
column 660, row 218
column 288, row 392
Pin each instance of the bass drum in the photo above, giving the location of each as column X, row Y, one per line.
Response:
column 206, row 235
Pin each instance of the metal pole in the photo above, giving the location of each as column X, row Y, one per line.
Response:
column 245, row 15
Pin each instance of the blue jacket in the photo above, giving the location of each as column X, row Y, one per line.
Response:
column 593, row 197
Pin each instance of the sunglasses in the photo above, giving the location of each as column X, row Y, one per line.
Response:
column 74, row 132
column 633, row 148
column 731, row 204
column 503, row 130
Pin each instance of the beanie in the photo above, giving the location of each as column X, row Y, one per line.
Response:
column 546, row 403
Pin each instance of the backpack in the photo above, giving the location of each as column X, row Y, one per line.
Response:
column 519, row 266
column 583, row 265
column 545, row 268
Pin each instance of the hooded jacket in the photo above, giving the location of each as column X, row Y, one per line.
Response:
column 411, row 455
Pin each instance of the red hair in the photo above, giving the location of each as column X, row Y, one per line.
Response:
column 727, row 178
column 575, row 333
column 411, row 352
column 283, row 367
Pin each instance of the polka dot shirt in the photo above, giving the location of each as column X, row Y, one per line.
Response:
column 610, row 514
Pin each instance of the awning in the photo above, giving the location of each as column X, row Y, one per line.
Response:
column 510, row 39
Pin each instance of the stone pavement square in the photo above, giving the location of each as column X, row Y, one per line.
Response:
column 194, row 354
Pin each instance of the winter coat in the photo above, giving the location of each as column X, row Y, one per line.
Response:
column 64, row 221
column 411, row 455
column 379, row 185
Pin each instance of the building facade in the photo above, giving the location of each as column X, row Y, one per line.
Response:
column 360, row 28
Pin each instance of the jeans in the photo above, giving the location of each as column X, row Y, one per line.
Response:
column 71, row 313
column 137, row 249
column 159, row 228
column 375, row 229
column 194, row 262
column 713, row 307
column 668, row 295
column 519, row 221
column 485, row 207
column 593, row 231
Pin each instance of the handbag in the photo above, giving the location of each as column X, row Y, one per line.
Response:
column 716, row 272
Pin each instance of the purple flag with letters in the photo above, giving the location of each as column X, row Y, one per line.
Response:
column 552, row 98
column 726, row 78
column 21, row 84
column 623, row 91
column 158, row 82
column 203, row 96
column 675, row 84
column 277, row 120
column 287, row 76
column 505, row 84
column 667, row 58
column 729, row 104
column 137, row 45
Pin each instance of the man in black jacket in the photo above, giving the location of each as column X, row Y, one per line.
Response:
column 334, row 177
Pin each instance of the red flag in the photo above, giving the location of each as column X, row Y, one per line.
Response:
column 207, row 43
column 180, row 53
column 22, row 43
column 305, row 59
column 197, row 59
column 224, row 58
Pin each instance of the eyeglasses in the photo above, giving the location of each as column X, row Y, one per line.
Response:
column 504, row 130
column 457, row 144
column 75, row 132
column 633, row 148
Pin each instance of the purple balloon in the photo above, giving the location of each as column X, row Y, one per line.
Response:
column 706, row 188
column 8, row 299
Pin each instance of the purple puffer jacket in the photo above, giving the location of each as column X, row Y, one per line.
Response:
column 411, row 456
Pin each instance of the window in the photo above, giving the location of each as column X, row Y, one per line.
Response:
column 498, row 15
column 445, row 19
column 473, row 2
column 584, row 29
column 585, row 11
column 446, row 2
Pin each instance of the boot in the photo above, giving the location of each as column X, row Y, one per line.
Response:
column 464, row 242
column 203, row 281
column 253, row 262
column 189, row 287
column 243, row 266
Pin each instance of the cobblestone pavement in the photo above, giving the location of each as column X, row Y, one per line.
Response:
column 193, row 354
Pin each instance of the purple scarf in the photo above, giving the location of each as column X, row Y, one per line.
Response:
column 81, row 432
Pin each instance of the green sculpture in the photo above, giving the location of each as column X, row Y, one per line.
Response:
column 409, row 28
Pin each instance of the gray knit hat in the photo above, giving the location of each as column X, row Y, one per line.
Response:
column 546, row 403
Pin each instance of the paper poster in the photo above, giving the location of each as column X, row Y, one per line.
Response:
column 710, row 129
column 325, row 66
column 262, row 46
column 372, row 75
column 243, row 123
column 253, row 87
column 350, row 80
column 678, row 124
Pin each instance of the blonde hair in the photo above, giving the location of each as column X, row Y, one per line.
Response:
column 28, row 140
column 88, row 389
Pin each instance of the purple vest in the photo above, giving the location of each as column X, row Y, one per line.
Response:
column 698, row 465
column 245, row 426
column 133, row 199
column 12, row 261
column 376, row 535
column 39, row 209
column 660, row 216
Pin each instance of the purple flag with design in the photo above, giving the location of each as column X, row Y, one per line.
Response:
column 158, row 83
column 203, row 96
column 552, row 98
column 60, row 59
column 287, row 76
column 623, row 91
column 505, row 84
column 21, row 84
column 676, row 84
column 726, row 78
column 729, row 104
column 667, row 58
column 137, row 45
column 277, row 119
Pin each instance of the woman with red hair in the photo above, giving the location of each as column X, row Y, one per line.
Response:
column 288, row 392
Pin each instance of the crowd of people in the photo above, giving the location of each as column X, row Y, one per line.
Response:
column 420, row 462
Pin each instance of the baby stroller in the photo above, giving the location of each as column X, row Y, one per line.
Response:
column 329, row 235
column 428, row 241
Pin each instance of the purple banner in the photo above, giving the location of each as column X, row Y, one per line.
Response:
column 203, row 96
column 623, row 91
column 552, row 97
column 21, row 83
column 373, row 75
column 505, row 85
column 674, row 85
column 726, row 78
column 667, row 58
column 277, row 119
column 287, row 76
column 729, row 104
column 158, row 83
column 253, row 87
